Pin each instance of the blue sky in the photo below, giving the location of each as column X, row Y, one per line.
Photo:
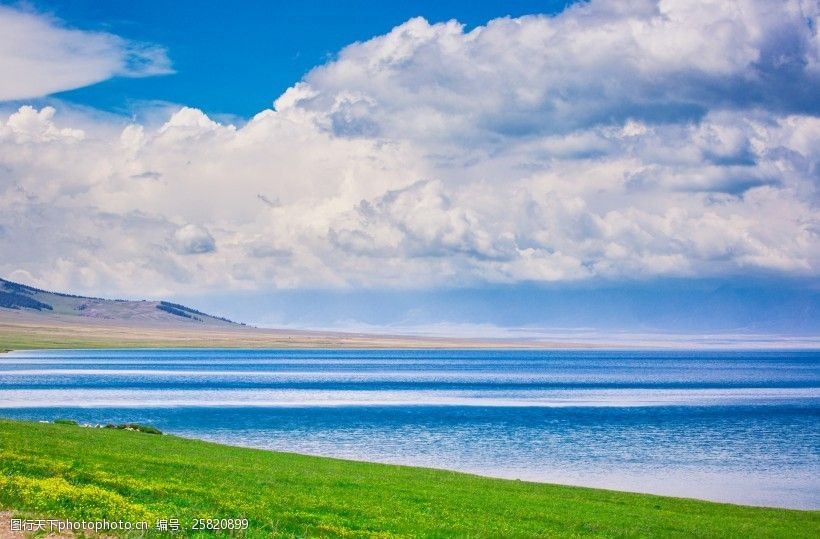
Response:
column 236, row 59
column 455, row 166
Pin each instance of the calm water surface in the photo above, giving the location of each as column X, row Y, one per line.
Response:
column 738, row 426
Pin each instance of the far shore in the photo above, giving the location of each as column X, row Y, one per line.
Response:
column 24, row 331
column 20, row 330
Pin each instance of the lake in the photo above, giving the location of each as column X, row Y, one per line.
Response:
column 735, row 426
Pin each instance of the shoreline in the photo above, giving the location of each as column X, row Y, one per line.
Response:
column 31, row 332
column 336, row 497
column 443, row 470
column 532, row 347
column 492, row 477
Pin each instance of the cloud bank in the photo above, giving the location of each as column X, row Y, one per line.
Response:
column 40, row 56
column 612, row 141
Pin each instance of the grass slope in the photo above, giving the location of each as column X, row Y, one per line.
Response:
column 23, row 298
column 72, row 472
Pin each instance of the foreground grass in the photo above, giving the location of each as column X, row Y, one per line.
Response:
column 65, row 471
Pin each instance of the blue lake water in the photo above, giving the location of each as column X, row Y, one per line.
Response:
column 739, row 426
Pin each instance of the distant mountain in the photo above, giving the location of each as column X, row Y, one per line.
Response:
column 19, row 297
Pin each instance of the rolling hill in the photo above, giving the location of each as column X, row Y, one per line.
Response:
column 32, row 318
column 19, row 297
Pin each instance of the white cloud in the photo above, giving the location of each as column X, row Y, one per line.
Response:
column 614, row 141
column 600, row 62
column 39, row 55
column 193, row 240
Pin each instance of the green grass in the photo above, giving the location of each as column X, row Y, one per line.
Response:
column 23, row 340
column 65, row 471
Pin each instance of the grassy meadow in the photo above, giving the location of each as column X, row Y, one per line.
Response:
column 70, row 472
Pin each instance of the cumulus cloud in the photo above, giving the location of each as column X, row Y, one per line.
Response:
column 600, row 62
column 612, row 141
column 39, row 55
column 193, row 240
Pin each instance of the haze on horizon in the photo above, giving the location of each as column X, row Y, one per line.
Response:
column 636, row 167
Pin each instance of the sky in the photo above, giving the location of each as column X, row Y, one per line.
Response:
column 237, row 61
column 484, row 167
